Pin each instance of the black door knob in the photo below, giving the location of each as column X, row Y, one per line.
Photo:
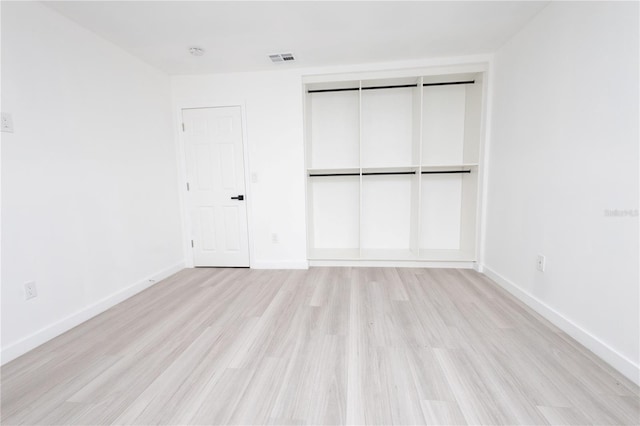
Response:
column 239, row 197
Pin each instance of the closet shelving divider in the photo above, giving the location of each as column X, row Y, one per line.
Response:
column 333, row 167
column 390, row 143
column 411, row 193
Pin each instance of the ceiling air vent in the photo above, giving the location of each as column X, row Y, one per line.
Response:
column 282, row 57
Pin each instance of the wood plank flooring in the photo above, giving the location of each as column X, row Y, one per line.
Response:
column 323, row 346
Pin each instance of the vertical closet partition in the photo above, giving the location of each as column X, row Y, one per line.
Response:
column 392, row 168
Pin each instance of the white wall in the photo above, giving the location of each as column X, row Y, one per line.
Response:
column 564, row 149
column 89, row 193
column 273, row 105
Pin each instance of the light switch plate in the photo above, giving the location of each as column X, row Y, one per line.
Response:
column 6, row 125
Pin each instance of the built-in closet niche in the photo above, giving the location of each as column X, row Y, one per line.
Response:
column 451, row 131
column 390, row 123
column 393, row 167
column 333, row 126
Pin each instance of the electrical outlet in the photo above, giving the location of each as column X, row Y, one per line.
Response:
column 30, row 290
column 6, row 123
column 254, row 178
column 540, row 263
column 274, row 238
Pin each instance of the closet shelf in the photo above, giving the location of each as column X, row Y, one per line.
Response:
column 444, row 255
column 447, row 167
column 388, row 254
column 400, row 170
column 407, row 168
column 348, row 171
column 334, row 254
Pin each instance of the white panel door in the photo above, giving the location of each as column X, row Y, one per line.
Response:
column 216, row 187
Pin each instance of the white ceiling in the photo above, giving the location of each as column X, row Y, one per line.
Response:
column 239, row 36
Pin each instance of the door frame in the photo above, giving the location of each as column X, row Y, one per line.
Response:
column 187, row 226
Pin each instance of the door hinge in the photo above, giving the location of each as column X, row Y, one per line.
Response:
column 183, row 127
column 191, row 243
column 187, row 186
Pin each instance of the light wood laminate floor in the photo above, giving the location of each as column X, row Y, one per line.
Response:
column 323, row 346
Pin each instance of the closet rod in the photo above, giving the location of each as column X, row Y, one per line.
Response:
column 348, row 89
column 363, row 174
column 445, row 172
column 333, row 174
column 390, row 87
column 387, row 173
column 449, row 83
column 435, row 172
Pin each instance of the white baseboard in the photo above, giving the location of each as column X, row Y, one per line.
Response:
column 24, row 345
column 624, row 365
column 288, row 264
column 394, row 263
